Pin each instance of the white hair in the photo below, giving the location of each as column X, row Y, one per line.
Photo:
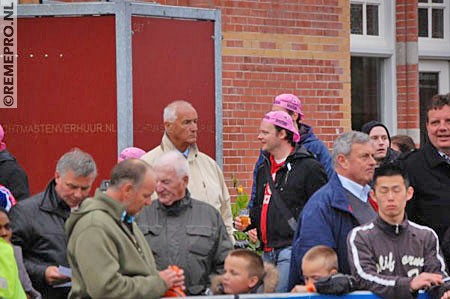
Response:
column 173, row 160
column 170, row 112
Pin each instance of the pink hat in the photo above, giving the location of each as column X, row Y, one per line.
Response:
column 290, row 102
column 131, row 152
column 2, row 134
column 282, row 119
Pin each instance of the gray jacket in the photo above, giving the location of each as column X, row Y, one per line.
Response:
column 190, row 234
column 385, row 258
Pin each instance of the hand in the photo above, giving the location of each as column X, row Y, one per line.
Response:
column 253, row 235
column 425, row 280
column 446, row 295
column 299, row 289
column 52, row 276
column 238, row 224
column 173, row 278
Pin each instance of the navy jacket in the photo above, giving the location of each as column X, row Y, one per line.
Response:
column 313, row 144
column 326, row 220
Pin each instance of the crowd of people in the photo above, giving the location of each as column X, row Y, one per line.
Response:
column 373, row 216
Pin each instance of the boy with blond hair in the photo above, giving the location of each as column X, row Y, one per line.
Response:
column 245, row 272
column 319, row 262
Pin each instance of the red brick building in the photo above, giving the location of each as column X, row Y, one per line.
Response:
column 349, row 61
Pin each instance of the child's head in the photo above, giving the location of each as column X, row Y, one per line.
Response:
column 319, row 261
column 5, row 229
column 243, row 270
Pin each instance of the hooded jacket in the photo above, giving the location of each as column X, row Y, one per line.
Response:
column 109, row 260
column 312, row 144
column 12, row 176
column 299, row 177
column 384, row 258
column 391, row 155
column 267, row 285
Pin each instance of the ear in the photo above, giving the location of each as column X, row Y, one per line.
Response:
column 167, row 126
column 342, row 161
column 409, row 193
column 57, row 177
column 295, row 116
column 334, row 271
column 253, row 280
column 372, row 194
column 125, row 189
column 282, row 134
column 186, row 180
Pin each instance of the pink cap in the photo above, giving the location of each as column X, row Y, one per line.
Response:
column 131, row 152
column 282, row 119
column 290, row 102
column 2, row 134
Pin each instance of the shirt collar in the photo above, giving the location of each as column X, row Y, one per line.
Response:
column 361, row 192
column 186, row 152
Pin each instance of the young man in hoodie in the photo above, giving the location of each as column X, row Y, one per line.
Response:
column 292, row 105
column 381, row 140
column 391, row 256
column 296, row 175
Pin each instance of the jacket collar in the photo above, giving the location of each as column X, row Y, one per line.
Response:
column 52, row 203
column 114, row 208
column 167, row 145
column 299, row 152
column 306, row 133
column 177, row 207
column 101, row 202
column 6, row 156
column 396, row 229
column 340, row 200
column 432, row 155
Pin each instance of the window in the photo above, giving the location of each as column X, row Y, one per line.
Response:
column 364, row 18
column 434, row 28
column 431, row 18
column 373, row 76
column 366, row 90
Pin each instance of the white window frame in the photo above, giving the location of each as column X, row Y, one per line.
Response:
column 436, row 47
column 382, row 46
column 380, row 43
column 438, row 66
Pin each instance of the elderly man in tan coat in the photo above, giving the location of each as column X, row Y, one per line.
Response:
column 206, row 181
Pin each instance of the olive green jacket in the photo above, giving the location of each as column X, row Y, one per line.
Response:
column 107, row 259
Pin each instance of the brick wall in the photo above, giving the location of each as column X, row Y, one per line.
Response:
column 407, row 66
column 272, row 47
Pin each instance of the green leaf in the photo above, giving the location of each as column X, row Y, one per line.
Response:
column 234, row 209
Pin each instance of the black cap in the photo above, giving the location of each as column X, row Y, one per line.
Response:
column 367, row 127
